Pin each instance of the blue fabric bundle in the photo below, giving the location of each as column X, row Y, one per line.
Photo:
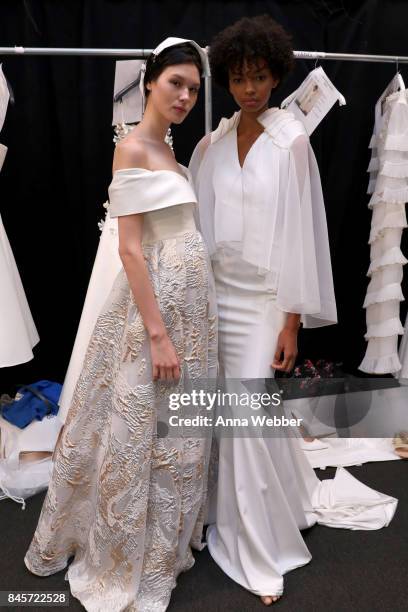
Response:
column 38, row 400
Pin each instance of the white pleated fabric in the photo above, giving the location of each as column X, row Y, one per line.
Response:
column 267, row 491
column 388, row 185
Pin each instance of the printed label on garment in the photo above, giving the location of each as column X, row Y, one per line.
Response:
column 311, row 102
column 129, row 108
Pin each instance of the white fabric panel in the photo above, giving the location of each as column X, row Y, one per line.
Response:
column 106, row 267
column 18, row 334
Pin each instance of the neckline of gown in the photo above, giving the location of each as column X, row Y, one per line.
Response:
column 183, row 175
column 235, row 134
column 272, row 121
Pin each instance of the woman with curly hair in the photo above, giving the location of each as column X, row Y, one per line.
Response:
column 263, row 218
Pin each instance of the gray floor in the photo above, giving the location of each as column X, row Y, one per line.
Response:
column 362, row 570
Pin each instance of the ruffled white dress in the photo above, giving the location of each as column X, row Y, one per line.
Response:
column 266, row 230
column 126, row 503
column 389, row 188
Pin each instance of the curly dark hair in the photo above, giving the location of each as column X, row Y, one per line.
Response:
column 251, row 39
column 184, row 53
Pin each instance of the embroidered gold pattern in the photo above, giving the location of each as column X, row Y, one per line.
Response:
column 127, row 503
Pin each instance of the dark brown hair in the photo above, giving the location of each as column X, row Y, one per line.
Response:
column 183, row 53
column 251, row 39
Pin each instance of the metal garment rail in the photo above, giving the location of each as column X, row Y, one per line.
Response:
column 142, row 53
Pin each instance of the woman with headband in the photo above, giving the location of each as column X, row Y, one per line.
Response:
column 127, row 504
column 263, row 218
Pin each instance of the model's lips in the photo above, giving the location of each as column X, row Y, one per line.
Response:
column 180, row 109
column 251, row 102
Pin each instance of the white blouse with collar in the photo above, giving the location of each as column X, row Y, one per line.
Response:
column 271, row 210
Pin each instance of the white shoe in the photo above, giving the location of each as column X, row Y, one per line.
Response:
column 312, row 446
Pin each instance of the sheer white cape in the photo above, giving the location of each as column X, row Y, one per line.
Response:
column 284, row 221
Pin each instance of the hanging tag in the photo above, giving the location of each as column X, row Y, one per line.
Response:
column 311, row 102
column 129, row 110
column 4, row 97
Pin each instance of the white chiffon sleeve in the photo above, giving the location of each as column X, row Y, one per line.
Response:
column 198, row 155
column 305, row 279
column 201, row 169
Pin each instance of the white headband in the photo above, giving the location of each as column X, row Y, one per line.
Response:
column 171, row 42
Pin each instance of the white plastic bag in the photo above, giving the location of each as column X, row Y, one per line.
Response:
column 26, row 457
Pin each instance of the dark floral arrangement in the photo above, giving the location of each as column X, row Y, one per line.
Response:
column 311, row 372
column 312, row 379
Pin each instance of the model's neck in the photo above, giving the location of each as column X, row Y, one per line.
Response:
column 248, row 122
column 154, row 125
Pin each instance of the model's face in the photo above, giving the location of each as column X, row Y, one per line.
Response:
column 251, row 85
column 175, row 91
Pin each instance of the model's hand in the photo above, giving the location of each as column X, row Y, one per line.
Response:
column 286, row 350
column 165, row 363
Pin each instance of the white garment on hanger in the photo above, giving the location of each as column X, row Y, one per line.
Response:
column 313, row 99
column 4, row 98
column 18, row 334
column 389, row 188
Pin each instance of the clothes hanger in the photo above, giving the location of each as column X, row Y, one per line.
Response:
column 400, row 80
column 118, row 97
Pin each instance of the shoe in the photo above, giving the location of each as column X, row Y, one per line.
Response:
column 400, row 443
column 312, row 446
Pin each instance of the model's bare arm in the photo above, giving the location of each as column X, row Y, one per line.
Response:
column 165, row 362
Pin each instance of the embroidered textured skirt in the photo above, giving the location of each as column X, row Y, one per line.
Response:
column 126, row 503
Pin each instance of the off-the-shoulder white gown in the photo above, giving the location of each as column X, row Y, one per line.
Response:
column 126, row 504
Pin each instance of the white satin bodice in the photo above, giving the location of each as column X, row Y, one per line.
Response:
column 168, row 223
column 165, row 198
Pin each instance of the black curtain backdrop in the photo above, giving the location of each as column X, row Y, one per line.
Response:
column 58, row 168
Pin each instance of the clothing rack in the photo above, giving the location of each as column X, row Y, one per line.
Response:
column 142, row 53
